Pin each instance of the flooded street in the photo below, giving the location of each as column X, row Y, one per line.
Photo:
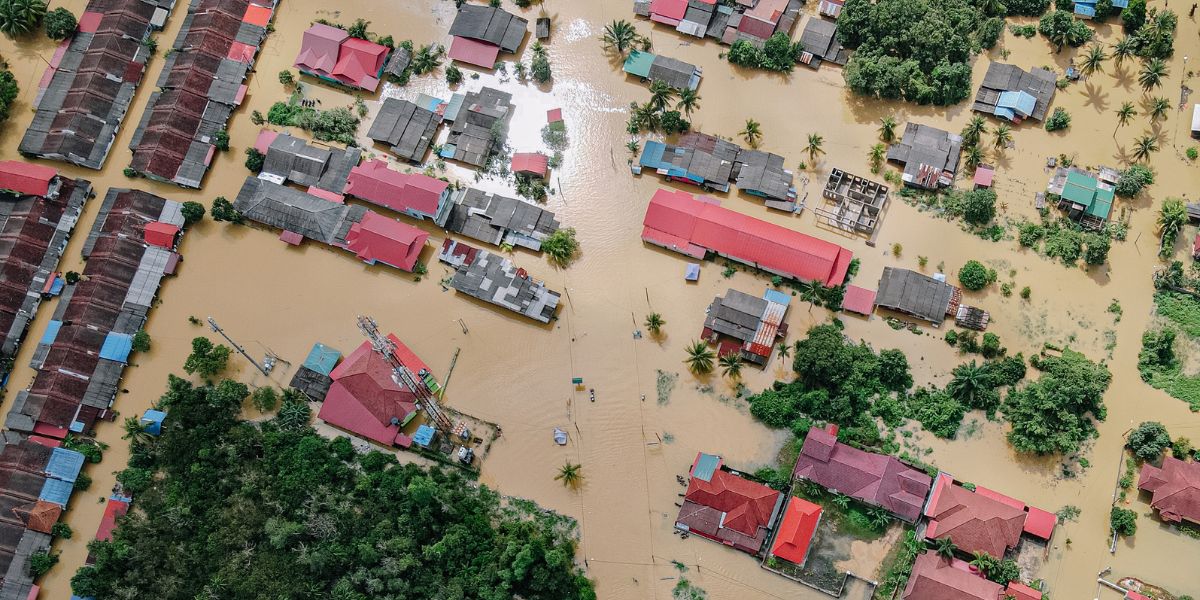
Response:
column 512, row 371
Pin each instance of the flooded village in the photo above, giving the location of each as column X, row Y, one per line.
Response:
column 447, row 234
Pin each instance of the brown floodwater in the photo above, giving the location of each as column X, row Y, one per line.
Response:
column 517, row 373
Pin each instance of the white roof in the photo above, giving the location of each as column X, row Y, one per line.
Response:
column 1195, row 118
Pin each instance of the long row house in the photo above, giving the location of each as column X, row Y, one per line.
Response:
column 714, row 163
column 79, row 362
column 201, row 84
column 90, row 81
column 727, row 22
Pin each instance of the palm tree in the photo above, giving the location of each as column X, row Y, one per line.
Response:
column 689, row 100
column 878, row 151
column 731, row 365
column 1144, row 147
column 569, row 474
column 655, row 322
column 1159, row 108
column 1002, row 136
column 619, row 36
column 841, row 500
column 18, row 17
column 1124, row 113
column 969, row 382
column 814, row 146
column 1172, row 216
column 1093, row 61
column 661, row 95
column 982, row 561
column 945, row 547
column 135, row 432
column 1123, row 50
column 973, row 157
column 879, row 517
column 887, row 129
column 700, row 358
column 1152, row 73
column 974, row 130
column 752, row 133
column 784, row 349
column 810, row 292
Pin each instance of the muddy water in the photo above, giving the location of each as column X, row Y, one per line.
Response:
column 516, row 373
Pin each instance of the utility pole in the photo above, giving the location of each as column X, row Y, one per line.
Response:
column 404, row 376
column 217, row 328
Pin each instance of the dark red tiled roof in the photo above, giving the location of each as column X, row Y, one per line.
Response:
column 1175, row 489
column 936, row 578
column 974, row 522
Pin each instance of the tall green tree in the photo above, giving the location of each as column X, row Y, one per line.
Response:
column 1124, row 114
column 1144, row 146
column 1152, row 74
column 19, row 17
column 814, row 147
column 699, row 358
column 1158, row 109
column 1172, row 216
column 655, row 322
column 1002, row 136
column 619, row 36
column 731, row 365
column 1093, row 61
column 752, row 132
column 689, row 101
column 887, row 129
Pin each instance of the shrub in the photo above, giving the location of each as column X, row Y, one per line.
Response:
column 1193, row 153
column 221, row 140
column 1123, row 521
column 1149, row 440
column 1025, row 292
column 974, row 276
column 1059, row 120
column 8, row 92
column 193, row 212
column 223, row 210
column 1027, row 8
column 61, row 530
column 539, row 67
column 286, row 78
column 1132, row 180
column 19, row 17
column 255, row 160
column 938, row 412
column 990, row 32
column 561, row 246
column 1029, row 234
column 979, row 206
column 264, row 399
column 41, row 562
column 991, row 345
column 1098, row 245
column 141, row 341
column 60, row 24
column 454, row 75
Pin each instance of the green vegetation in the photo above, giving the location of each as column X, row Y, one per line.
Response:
column 699, row 358
column 731, row 365
column 454, row 75
column 1149, row 440
column 777, row 54
column 561, row 246
column 141, row 341
column 898, row 565
column 221, row 140
column 193, row 212
column 1133, row 180
column 41, row 562
column 427, row 58
column 223, row 210
column 8, row 93
column 333, row 125
column 620, row 37
column 979, row 206
column 274, row 510
column 917, row 50
column 1061, row 28
column 1054, row 413
column 1172, row 216
column 255, row 160
column 1123, row 521
column 539, row 67
column 1027, row 8
column 1158, row 364
column 60, row 24
column 752, row 132
column 206, row 359
column 570, row 474
column 974, row 276
column 61, row 530
column 656, row 114
column 1059, row 120
column 999, row 571
column 264, row 399
column 654, row 323
column 19, row 17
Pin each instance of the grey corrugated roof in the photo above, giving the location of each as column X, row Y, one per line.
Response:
column 764, row 173
column 399, row 61
column 672, row 71
column 915, row 294
column 925, row 145
column 491, row 25
column 494, row 279
column 496, row 219
column 1000, row 77
column 289, row 209
column 406, row 127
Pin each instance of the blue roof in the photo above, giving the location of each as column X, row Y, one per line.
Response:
column 64, row 464
column 152, row 421
column 452, row 107
column 322, row 358
column 448, row 150
column 56, row 287
column 706, row 465
column 693, row 272
column 117, row 347
column 1120, row 3
column 51, row 332
column 1085, row 10
column 1019, row 102
column 652, row 157
column 777, row 297
column 424, row 435
column 56, row 491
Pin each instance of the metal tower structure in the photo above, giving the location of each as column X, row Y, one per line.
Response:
column 404, row 376
column 265, row 369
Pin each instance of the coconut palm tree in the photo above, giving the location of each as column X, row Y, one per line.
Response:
column 1123, row 50
column 752, row 132
column 1152, row 73
column 784, row 349
column 1124, row 113
column 1172, row 216
column 570, row 474
column 655, row 322
column 815, row 140
column 731, row 365
column 661, row 95
column 699, row 358
column 689, row 100
column 974, row 130
column 970, row 381
column 135, row 432
column 1002, row 136
column 18, row 17
column 879, row 518
column 1159, row 108
column 810, row 292
column 1144, row 147
column 887, row 129
column 841, row 500
column 619, row 36
column 973, row 156
column 1093, row 61
column 945, row 547
column 878, row 151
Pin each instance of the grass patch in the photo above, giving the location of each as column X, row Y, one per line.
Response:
column 664, row 385
column 1181, row 309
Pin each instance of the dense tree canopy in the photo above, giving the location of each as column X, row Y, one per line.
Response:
column 226, row 508
column 917, row 50
column 1054, row 413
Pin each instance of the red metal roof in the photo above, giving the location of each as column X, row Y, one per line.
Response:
column 262, row 143
column 326, row 195
column 747, row 505
column 364, row 398
column 359, row 63
column 257, row 15
column 859, row 300
column 378, row 238
column 374, row 182
column 678, row 220
column 1020, row 591
column 319, row 48
column 161, row 234
column 290, row 237
column 554, row 115
column 667, row 11
column 796, row 530
column 532, row 163
column 984, row 175
column 474, row 52
column 115, row 508
column 1175, row 489
column 25, row 178
column 89, row 22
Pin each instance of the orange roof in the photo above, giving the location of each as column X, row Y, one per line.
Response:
column 796, row 531
column 42, row 516
column 1020, row 591
column 257, row 15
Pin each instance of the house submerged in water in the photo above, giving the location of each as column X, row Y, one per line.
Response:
column 495, row 280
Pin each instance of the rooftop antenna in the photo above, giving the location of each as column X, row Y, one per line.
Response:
column 265, row 368
column 404, row 376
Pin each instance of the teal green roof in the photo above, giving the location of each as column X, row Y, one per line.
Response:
column 639, row 63
column 1085, row 191
column 1102, row 205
